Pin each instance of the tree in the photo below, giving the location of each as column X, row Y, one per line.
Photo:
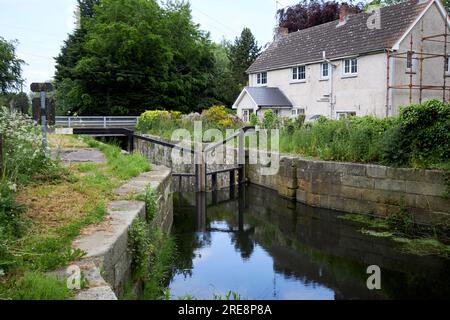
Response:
column 10, row 67
column 310, row 13
column 224, row 87
column 135, row 55
column 242, row 54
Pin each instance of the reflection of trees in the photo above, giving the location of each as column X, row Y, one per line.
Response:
column 242, row 240
column 244, row 243
column 187, row 240
column 187, row 245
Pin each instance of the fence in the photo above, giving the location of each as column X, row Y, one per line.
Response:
column 96, row 122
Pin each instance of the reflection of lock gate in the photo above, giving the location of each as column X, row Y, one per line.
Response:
column 201, row 169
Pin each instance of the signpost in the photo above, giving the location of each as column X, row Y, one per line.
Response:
column 43, row 88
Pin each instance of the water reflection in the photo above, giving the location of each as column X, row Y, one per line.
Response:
column 255, row 243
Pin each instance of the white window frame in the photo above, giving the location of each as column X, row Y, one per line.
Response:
column 353, row 62
column 297, row 111
column 246, row 115
column 322, row 69
column 295, row 74
column 261, row 78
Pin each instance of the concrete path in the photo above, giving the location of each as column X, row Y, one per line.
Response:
column 79, row 155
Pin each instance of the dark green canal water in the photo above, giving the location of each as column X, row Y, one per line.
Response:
column 255, row 243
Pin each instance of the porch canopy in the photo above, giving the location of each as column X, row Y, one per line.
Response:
column 264, row 97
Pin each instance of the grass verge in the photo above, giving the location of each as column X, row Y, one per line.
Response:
column 56, row 212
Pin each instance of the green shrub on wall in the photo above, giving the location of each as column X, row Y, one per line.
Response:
column 421, row 137
column 418, row 137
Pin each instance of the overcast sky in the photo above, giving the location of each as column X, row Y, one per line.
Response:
column 41, row 26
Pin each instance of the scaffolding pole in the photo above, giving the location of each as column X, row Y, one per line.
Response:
column 419, row 56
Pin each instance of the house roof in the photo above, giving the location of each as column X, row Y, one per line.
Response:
column 352, row 38
column 268, row 97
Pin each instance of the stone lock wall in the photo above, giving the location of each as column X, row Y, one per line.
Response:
column 161, row 155
column 360, row 188
column 107, row 249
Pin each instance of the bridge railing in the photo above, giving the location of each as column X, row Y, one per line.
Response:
column 96, row 122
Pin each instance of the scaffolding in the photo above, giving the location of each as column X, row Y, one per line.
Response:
column 421, row 56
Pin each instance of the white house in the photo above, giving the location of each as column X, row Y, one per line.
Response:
column 363, row 64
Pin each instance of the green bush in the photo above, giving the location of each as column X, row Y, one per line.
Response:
column 421, row 137
column 23, row 157
column 164, row 123
column 254, row 121
column 352, row 139
column 270, row 120
column 139, row 247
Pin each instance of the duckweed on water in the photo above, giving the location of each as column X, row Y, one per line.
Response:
column 418, row 244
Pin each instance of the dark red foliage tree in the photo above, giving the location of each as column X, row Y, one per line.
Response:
column 309, row 13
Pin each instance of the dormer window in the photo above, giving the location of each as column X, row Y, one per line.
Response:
column 299, row 73
column 261, row 78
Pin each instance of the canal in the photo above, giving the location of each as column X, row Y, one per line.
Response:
column 256, row 244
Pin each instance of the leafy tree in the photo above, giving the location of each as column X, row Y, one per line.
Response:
column 135, row 55
column 19, row 102
column 310, row 13
column 10, row 67
column 242, row 54
column 224, row 87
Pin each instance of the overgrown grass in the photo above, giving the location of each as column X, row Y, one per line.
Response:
column 152, row 252
column 121, row 165
column 419, row 137
column 36, row 286
column 155, row 285
column 46, row 243
column 350, row 140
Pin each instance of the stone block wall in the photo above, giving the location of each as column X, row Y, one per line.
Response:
column 107, row 248
column 360, row 188
column 162, row 155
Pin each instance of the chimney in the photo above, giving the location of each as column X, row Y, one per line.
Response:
column 280, row 33
column 344, row 13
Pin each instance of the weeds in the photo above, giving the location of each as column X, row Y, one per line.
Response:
column 413, row 238
column 27, row 250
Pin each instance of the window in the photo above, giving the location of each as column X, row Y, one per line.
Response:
column 246, row 116
column 345, row 114
column 350, row 67
column 410, row 62
column 297, row 111
column 324, row 71
column 261, row 78
column 299, row 73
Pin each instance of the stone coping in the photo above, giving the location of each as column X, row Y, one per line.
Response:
column 107, row 262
